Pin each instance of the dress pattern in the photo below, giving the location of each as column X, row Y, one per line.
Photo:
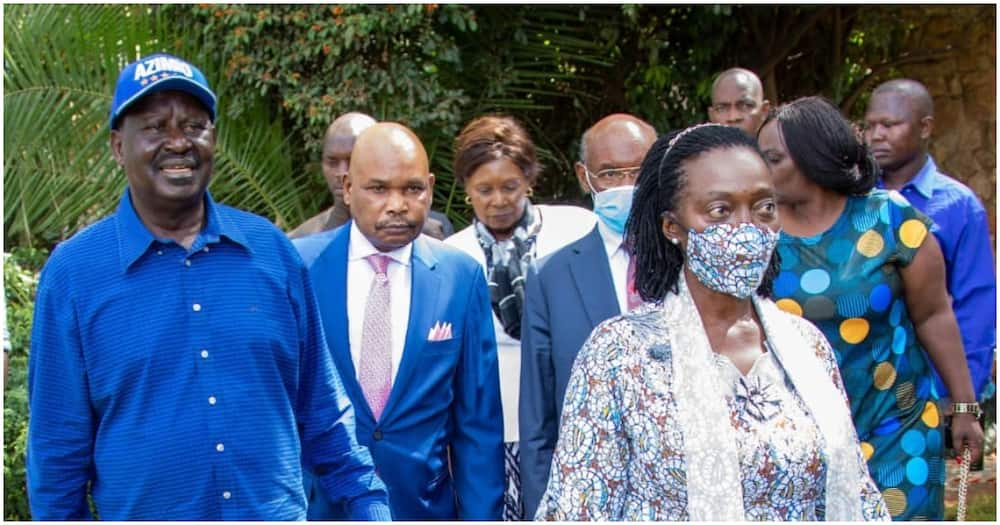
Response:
column 621, row 450
column 847, row 282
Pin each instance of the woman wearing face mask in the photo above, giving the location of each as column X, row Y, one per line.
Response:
column 708, row 402
column 859, row 264
column 496, row 164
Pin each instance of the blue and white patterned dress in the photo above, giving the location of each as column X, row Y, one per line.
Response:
column 621, row 450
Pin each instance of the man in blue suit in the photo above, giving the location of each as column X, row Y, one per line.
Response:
column 569, row 292
column 409, row 324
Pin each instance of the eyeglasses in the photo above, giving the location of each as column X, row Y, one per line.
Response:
column 743, row 106
column 609, row 175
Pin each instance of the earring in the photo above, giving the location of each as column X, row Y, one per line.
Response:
column 468, row 200
column 530, row 192
column 675, row 241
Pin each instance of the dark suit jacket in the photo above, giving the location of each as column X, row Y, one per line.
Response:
column 567, row 294
column 446, row 394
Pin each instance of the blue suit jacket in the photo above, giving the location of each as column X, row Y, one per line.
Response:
column 446, row 395
column 567, row 294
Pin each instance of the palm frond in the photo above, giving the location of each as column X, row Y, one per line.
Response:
column 253, row 171
column 60, row 62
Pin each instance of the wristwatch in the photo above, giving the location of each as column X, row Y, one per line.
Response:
column 967, row 408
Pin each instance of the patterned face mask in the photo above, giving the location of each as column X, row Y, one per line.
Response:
column 731, row 259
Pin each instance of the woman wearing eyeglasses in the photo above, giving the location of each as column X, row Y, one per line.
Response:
column 495, row 162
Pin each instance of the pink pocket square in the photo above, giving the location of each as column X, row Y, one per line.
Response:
column 440, row 332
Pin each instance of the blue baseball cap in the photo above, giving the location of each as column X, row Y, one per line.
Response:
column 159, row 72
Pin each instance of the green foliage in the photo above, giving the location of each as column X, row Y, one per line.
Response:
column 315, row 62
column 283, row 72
column 59, row 64
column 673, row 79
column 552, row 67
column 20, row 277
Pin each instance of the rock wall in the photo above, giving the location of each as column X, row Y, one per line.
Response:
column 963, row 85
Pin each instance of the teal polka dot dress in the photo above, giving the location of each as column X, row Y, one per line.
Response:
column 846, row 281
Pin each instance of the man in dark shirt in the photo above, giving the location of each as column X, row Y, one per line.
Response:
column 178, row 366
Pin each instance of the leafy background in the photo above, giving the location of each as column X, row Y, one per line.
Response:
column 282, row 72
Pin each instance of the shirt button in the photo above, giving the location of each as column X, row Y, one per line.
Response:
column 211, row 400
column 196, row 307
column 377, row 435
column 226, row 495
column 159, row 252
column 204, row 354
column 220, row 447
column 205, row 249
column 187, row 262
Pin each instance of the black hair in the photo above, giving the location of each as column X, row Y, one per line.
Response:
column 825, row 146
column 659, row 187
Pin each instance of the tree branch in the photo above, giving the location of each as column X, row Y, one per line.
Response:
column 794, row 40
column 932, row 55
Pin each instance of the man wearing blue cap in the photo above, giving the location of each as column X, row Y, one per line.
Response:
column 178, row 366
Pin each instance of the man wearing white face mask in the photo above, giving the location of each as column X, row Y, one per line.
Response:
column 569, row 292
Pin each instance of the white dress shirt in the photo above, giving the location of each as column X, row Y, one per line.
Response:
column 360, row 275
column 618, row 261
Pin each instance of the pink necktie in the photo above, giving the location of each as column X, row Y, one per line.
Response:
column 633, row 298
column 375, row 370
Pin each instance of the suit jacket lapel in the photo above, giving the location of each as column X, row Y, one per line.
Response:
column 592, row 276
column 425, row 286
column 330, row 270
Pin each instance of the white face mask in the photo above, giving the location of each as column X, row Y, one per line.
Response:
column 731, row 258
column 613, row 206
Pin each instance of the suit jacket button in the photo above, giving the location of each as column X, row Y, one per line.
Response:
column 377, row 435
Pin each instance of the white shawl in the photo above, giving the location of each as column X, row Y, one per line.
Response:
column 713, row 470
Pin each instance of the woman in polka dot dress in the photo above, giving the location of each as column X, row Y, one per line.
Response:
column 858, row 263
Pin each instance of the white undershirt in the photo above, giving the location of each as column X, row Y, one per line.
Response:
column 618, row 261
column 360, row 275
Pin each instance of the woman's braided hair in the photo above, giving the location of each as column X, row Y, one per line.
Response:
column 659, row 188
column 825, row 147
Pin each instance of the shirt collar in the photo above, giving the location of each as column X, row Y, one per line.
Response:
column 924, row 181
column 134, row 237
column 360, row 247
column 612, row 240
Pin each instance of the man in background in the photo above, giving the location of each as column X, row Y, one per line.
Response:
column 571, row 291
column 738, row 100
column 337, row 146
column 899, row 123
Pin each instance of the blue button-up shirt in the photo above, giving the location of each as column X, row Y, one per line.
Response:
column 187, row 384
column 960, row 227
